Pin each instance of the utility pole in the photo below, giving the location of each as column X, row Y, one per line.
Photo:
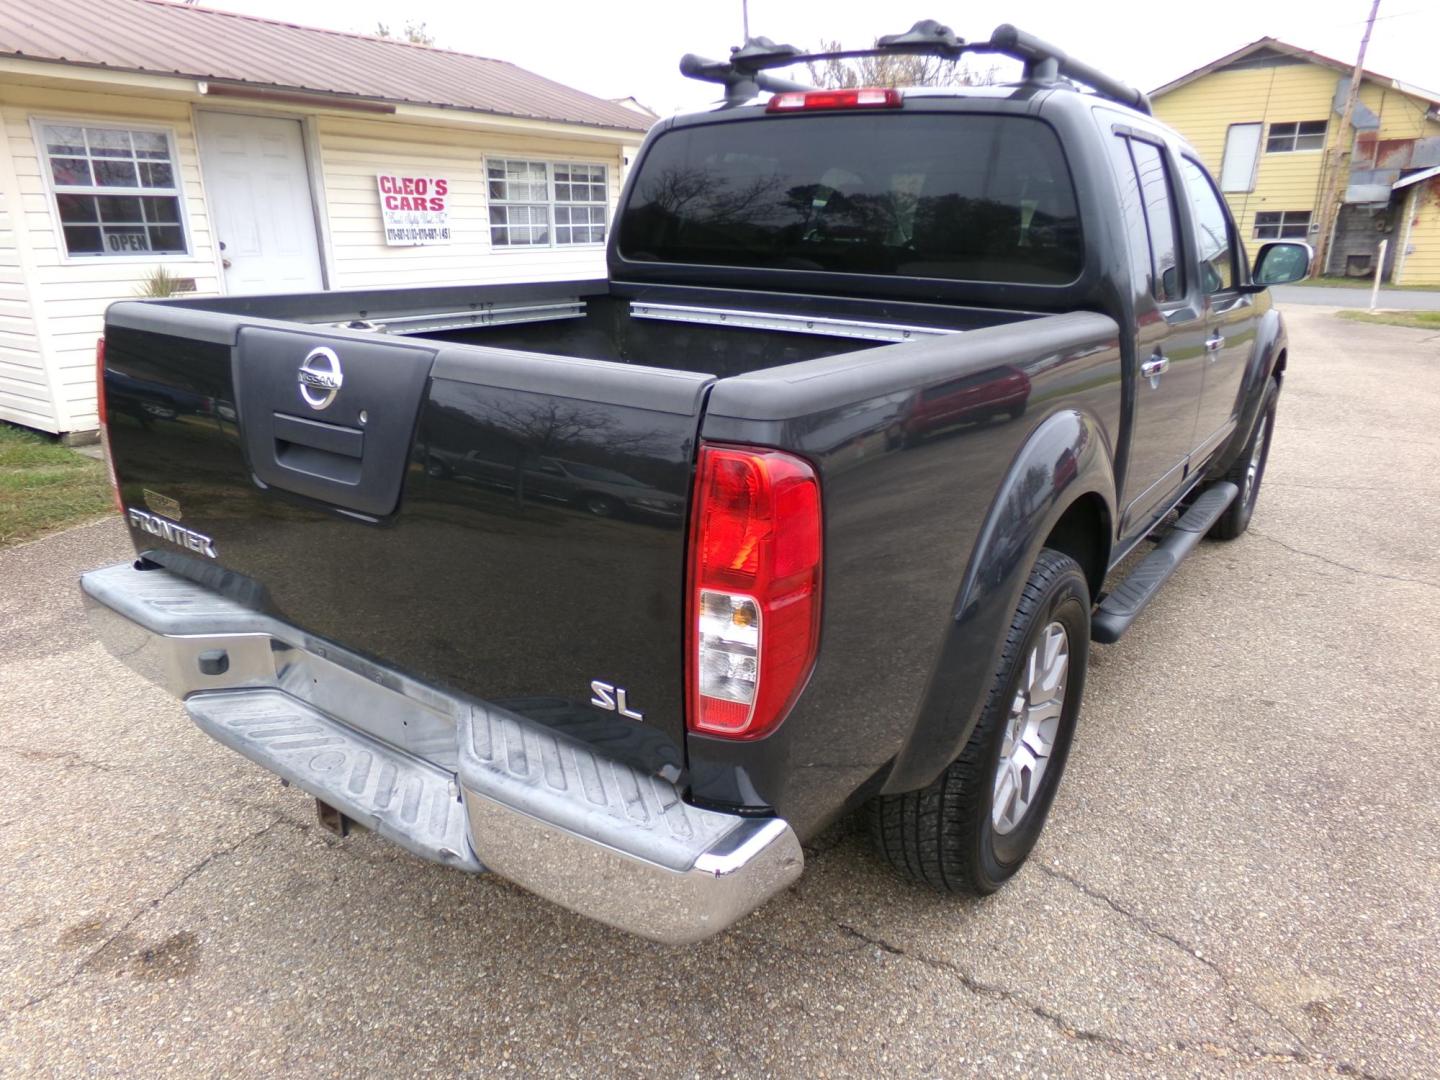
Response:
column 1335, row 157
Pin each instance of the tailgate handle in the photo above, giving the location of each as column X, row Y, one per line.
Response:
column 331, row 438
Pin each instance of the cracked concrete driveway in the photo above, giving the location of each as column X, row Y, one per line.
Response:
column 1242, row 872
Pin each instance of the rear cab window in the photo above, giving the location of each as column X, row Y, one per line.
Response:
column 956, row 196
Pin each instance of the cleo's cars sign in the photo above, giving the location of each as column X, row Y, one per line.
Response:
column 414, row 209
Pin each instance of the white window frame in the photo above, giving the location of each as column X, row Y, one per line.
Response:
column 550, row 201
column 1293, row 149
column 1280, row 225
column 42, row 156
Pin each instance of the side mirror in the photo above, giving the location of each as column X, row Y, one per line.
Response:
column 1282, row 262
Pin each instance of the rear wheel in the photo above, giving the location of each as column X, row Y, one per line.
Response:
column 974, row 827
column 1249, row 469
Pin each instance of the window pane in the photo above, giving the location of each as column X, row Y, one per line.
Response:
column 1211, row 228
column 1310, row 142
column 1169, row 281
column 499, row 236
column 72, row 172
column 65, row 140
column 76, row 208
column 157, row 174
column 83, row 240
column 115, row 173
column 166, row 238
column 150, row 144
column 161, row 209
column 562, row 192
column 119, row 209
column 108, row 142
column 499, row 215
column 1311, row 127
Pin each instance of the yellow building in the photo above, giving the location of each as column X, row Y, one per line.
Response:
column 1264, row 117
column 247, row 155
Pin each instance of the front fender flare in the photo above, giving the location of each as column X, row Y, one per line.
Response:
column 1067, row 458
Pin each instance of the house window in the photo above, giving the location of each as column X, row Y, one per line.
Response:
column 1282, row 225
column 1297, row 135
column 116, row 190
column 547, row 204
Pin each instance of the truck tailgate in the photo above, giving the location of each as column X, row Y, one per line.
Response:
column 507, row 525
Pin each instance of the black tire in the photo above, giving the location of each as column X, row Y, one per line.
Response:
column 944, row 835
column 1236, row 518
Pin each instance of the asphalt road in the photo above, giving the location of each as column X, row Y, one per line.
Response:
column 1241, row 874
column 1329, row 296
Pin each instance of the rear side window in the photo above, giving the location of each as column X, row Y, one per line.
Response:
column 975, row 198
column 1212, row 230
column 1149, row 214
column 1160, row 218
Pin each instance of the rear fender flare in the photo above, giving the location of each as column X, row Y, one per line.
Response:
column 1068, row 457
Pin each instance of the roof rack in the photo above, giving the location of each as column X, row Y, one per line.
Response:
column 744, row 75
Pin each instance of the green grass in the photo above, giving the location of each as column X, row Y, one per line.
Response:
column 45, row 486
column 1362, row 283
column 1421, row 320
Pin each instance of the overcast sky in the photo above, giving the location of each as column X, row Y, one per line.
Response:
column 615, row 48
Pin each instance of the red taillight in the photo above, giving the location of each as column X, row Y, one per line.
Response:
column 753, row 618
column 864, row 98
column 104, row 415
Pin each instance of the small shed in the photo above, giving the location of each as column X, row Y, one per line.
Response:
column 243, row 155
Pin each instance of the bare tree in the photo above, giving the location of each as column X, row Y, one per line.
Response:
column 414, row 32
column 895, row 69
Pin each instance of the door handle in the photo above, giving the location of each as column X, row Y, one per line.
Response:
column 1156, row 366
column 1213, row 345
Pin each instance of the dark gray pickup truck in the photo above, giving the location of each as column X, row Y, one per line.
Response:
column 623, row 588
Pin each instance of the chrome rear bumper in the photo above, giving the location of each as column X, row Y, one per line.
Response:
column 457, row 781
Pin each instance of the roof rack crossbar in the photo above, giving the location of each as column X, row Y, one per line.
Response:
column 744, row 75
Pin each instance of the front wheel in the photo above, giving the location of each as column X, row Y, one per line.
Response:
column 975, row 825
column 1249, row 469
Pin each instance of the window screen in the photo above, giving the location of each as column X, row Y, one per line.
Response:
column 116, row 190
column 977, row 198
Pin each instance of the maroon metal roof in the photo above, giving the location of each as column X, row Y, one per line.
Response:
column 159, row 37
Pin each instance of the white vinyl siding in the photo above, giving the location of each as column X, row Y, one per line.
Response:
column 25, row 395
column 352, row 150
column 52, row 301
column 68, row 295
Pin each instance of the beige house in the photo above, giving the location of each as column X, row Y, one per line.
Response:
column 247, row 155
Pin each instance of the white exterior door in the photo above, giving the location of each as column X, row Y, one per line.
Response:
column 258, row 189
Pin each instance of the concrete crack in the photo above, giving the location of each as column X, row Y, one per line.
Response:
column 998, row 993
column 1305, row 1054
column 154, row 903
column 69, row 758
column 1343, row 566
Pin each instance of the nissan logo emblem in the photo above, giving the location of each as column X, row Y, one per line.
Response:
column 320, row 379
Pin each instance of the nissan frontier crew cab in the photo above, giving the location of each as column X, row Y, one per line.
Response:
column 624, row 588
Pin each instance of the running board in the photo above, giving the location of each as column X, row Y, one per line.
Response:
column 1121, row 607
